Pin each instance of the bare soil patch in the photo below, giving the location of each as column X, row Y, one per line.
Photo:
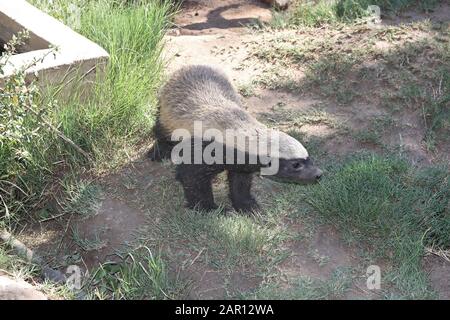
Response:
column 200, row 17
column 438, row 269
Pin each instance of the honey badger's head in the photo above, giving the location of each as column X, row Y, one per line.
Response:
column 294, row 163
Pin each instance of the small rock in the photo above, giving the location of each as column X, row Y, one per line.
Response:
column 174, row 32
column 18, row 290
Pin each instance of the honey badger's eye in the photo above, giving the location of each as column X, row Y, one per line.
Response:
column 297, row 165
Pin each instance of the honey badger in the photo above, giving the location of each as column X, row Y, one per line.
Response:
column 204, row 94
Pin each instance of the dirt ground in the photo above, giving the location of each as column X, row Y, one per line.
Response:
column 215, row 32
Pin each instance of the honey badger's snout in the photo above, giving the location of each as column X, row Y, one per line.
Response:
column 318, row 174
column 308, row 175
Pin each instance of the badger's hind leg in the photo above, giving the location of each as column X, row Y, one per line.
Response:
column 240, row 195
column 197, row 184
column 162, row 147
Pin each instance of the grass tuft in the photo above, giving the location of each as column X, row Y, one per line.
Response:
column 307, row 288
column 329, row 12
column 137, row 275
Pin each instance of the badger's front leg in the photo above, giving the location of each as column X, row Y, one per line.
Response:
column 197, row 184
column 240, row 195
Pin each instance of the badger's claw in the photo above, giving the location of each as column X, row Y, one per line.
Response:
column 246, row 206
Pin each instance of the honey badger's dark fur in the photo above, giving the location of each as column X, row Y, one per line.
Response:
column 203, row 93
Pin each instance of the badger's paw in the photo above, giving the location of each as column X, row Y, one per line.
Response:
column 247, row 206
column 202, row 206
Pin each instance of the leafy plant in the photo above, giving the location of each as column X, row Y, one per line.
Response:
column 21, row 129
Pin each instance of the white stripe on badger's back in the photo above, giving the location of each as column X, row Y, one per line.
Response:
column 204, row 93
column 201, row 93
column 291, row 148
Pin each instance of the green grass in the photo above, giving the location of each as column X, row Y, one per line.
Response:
column 373, row 134
column 136, row 275
column 108, row 124
column 81, row 198
column 307, row 288
column 121, row 111
column 17, row 268
column 231, row 241
column 393, row 208
column 328, row 12
column 222, row 240
column 376, row 196
column 307, row 14
column 87, row 244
